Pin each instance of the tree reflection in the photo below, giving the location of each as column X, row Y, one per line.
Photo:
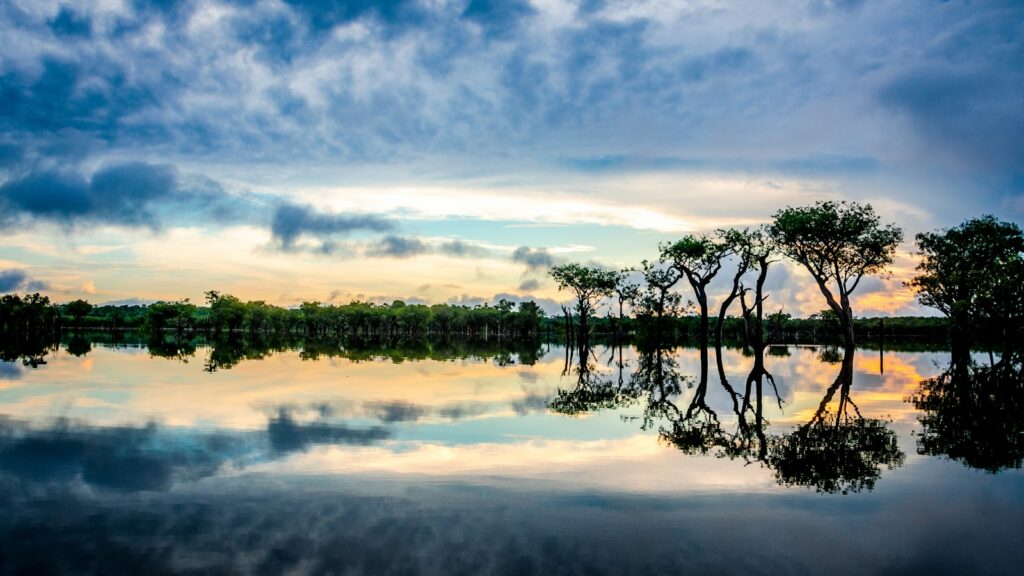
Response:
column 838, row 450
column 593, row 391
column 31, row 352
column 972, row 414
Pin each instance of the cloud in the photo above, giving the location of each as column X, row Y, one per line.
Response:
column 462, row 248
column 396, row 411
column 133, row 194
column 287, row 435
column 398, row 247
column 529, row 284
column 14, row 279
column 392, row 246
column 974, row 115
column 533, row 258
column 531, row 402
column 290, row 222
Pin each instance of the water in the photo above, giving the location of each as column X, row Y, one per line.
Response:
column 477, row 459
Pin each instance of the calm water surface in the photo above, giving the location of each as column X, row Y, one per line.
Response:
column 448, row 459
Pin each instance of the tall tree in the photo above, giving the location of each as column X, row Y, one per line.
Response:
column 741, row 245
column 589, row 283
column 627, row 291
column 698, row 259
column 838, row 243
column 971, row 273
column 657, row 301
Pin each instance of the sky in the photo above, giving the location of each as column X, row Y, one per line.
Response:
column 453, row 151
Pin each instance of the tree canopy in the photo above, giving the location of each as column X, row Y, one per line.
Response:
column 589, row 284
column 838, row 243
column 971, row 272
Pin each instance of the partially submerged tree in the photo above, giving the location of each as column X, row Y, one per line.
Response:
column 589, row 283
column 698, row 259
column 657, row 301
column 838, row 243
column 971, row 273
column 627, row 291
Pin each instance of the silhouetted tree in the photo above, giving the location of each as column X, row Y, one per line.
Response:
column 838, row 243
column 589, row 283
column 627, row 291
column 698, row 259
column 656, row 302
column 972, row 273
column 741, row 244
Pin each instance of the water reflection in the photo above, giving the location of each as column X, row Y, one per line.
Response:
column 838, row 450
column 972, row 414
column 500, row 458
column 154, row 457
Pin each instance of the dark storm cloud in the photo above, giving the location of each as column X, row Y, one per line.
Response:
column 126, row 194
column 9, row 370
column 14, row 279
column 392, row 246
column 291, row 221
column 531, row 402
column 975, row 114
column 533, row 258
column 121, row 459
column 462, row 248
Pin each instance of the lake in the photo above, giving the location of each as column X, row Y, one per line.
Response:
column 489, row 459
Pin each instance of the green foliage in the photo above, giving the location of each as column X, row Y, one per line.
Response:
column 77, row 309
column 26, row 315
column 698, row 258
column 177, row 316
column 656, row 300
column 589, row 284
column 838, row 243
column 973, row 273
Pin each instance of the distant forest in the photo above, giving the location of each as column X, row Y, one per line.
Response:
column 505, row 319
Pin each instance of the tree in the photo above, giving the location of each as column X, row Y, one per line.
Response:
column 753, row 251
column 78, row 309
column 969, row 273
column 657, row 301
column 698, row 259
column 627, row 291
column 838, row 243
column 226, row 311
column 589, row 283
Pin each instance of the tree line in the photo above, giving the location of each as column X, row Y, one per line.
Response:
column 227, row 314
column 972, row 273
